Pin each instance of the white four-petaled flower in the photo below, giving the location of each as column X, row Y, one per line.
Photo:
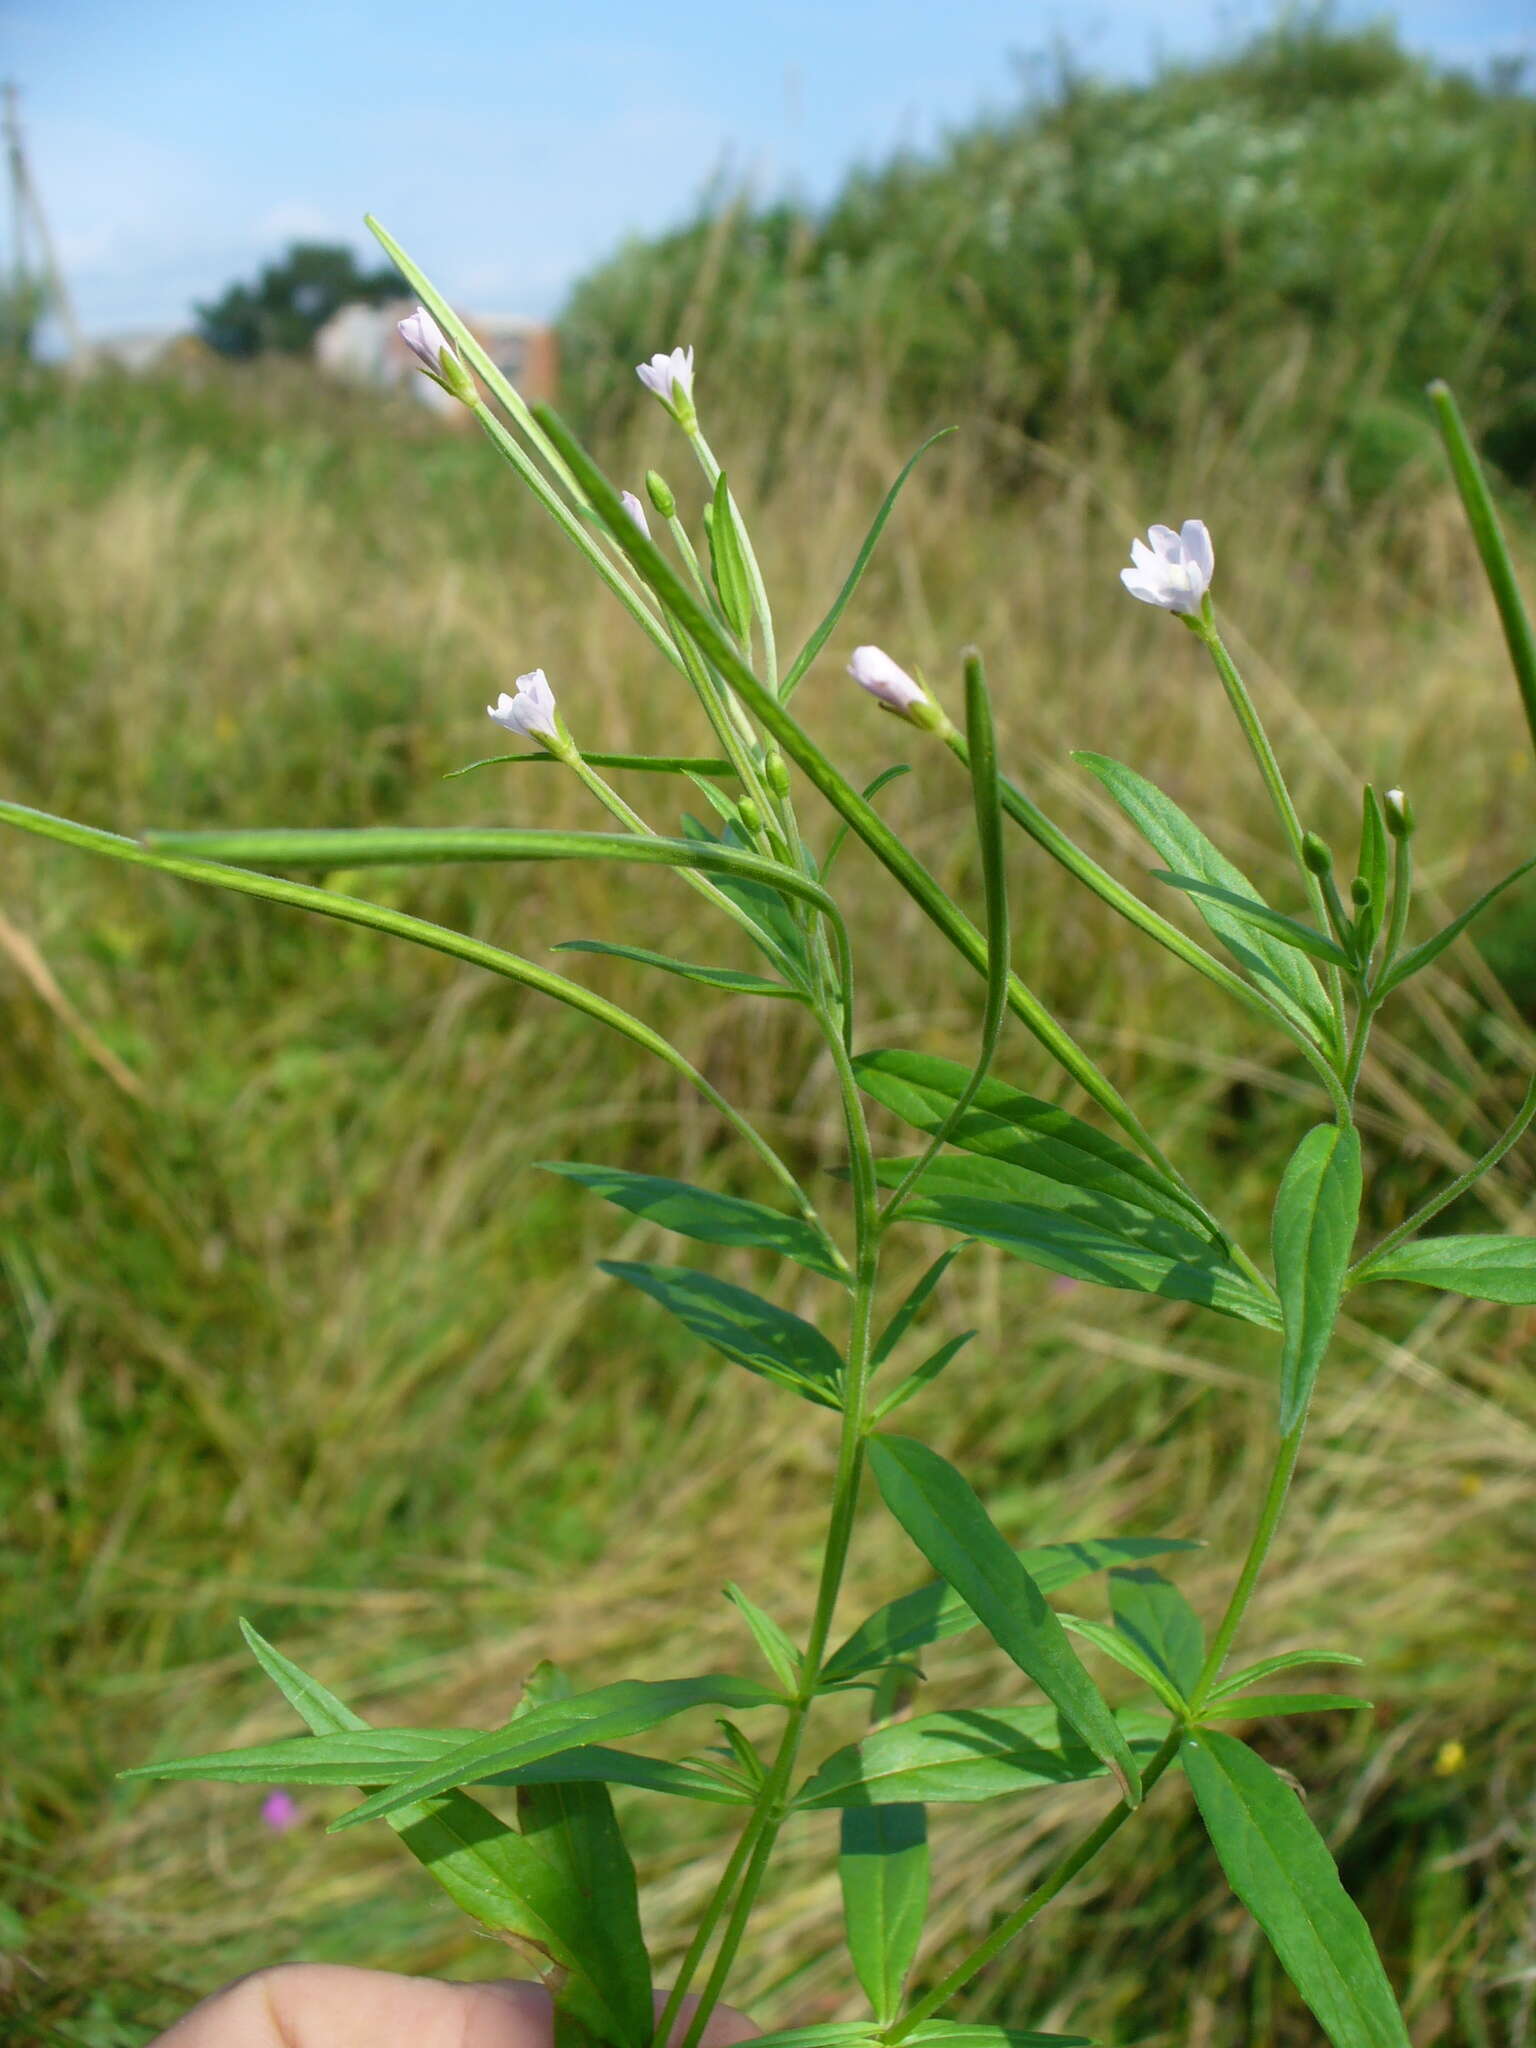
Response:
column 1175, row 572
column 873, row 670
column 668, row 375
column 531, row 712
column 425, row 340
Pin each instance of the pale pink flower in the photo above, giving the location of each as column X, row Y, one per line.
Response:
column 668, row 375
column 425, row 340
column 531, row 711
column 873, row 670
column 636, row 511
column 1175, row 572
column 280, row 1811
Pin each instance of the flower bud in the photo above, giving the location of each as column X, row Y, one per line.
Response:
column 775, row 773
column 659, row 491
column 1314, row 852
column 432, row 349
column 636, row 511
column 751, row 817
column 1399, row 814
column 894, row 690
column 1360, row 892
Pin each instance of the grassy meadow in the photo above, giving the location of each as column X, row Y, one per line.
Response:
column 291, row 1328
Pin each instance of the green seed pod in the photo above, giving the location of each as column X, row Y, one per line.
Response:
column 659, row 491
column 1314, row 852
column 1360, row 892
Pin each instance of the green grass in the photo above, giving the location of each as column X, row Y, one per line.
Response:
column 291, row 1329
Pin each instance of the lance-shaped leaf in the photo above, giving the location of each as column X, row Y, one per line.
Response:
column 1287, row 977
column 778, row 1648
column 967, row 2034
column 1420, row 956
column 1279, row 1866
column 882, row 1866
column 823, row 632
column 703, row 1214
column 752, row 1332
column 727, row 559
column 781, row 936
column 969, row 1754
column 489, row 1871
column 1128, row 1655
column 923, row 1375
column 606, row 1714
column 397, row 924
column 1004, row 1124
column 936, row 1611
column 1258, row 1706
column 949, row 1525
column 914, row 1304
column 871, row 789
column 572, row 1824
column 653, row 764
column 1290, row 931
column 1156, row 1617
column 361, row 1756
column 1131, row 1251
column 1317, row 1211
column 734, row 981
column 1375, row 857
column 1288, row 1660
column 1485, row 1266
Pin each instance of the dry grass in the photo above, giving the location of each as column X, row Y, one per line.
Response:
column 293, row 1331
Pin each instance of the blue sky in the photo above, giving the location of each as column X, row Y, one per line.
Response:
column 177, row 143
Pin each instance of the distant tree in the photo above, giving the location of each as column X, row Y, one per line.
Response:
column 291, row 300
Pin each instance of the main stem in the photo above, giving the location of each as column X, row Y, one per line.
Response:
column 760, row 1835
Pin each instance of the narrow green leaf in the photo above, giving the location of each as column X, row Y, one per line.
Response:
column 1290, row 931
column 1258, row 1706
column 830, row 2034
column 778, row 1649
column 767, row 909
column 1159, row 1258
column 1288, row 1660
column 1477, row 502
column 1289, row 981
column 966, row 1755
column 823, row 632
column 573, row 1826
column 1375, row 855
column 1279, row 1866
column 484, row 1866
column 924, row 1375
column 1128, row 1655
column 1156, row 1617
column 712, row 1218
column 1418, row 957
column 1003, row 1123
column 733, row 980
column 652, row 764
column 967, row 2034
column 728, row 561
column 882, row 1867
column 949, row 1525
column 355, row 1756
column 914, row 1304
column 1487, row 1267
column 1316, row 1214
column 752, row 1332
column 936, row 1611
column 594, row 1762
column 608, row 1713
column 869, row 791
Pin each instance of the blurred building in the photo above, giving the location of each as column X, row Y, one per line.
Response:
column 361, row 344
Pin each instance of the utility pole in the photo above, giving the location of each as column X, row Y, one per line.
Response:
column 29, row 224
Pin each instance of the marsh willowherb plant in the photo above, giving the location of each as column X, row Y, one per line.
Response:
column 987, row 1163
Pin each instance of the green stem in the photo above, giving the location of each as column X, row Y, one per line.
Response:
column 711, row 469
column 1253, row 1564
column 773, row 1800
column 1060, row 1877
column 1524, row 1116
column 1246, row 713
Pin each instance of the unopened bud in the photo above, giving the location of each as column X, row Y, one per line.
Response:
column 750, row 816
column 1360, row 892
column 659, row 491
column 1314, row 852
column 636, row 512
column 1399, row 812
column 775, row 773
